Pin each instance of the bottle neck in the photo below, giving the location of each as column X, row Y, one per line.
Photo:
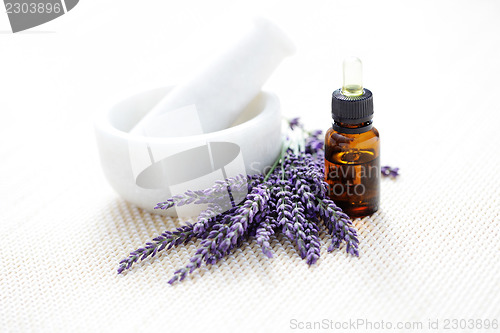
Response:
column 352, row 128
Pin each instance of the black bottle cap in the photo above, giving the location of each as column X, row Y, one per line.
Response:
column 352, row 110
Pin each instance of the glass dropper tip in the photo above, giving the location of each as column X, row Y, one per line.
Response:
column 353, row 77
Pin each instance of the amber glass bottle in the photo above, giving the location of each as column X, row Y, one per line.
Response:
column 352, row 147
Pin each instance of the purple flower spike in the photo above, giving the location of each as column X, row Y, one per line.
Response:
column 388, row 171
column 313, row 243
column 263, row 234
column 177, row 237
column 172, row 280
column 294, row 122
column 339, row 226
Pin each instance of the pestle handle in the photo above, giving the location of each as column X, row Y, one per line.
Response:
column 215, row 96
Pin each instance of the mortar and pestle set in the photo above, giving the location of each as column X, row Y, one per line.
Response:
column 215, row 125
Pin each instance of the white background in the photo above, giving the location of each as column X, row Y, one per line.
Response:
column 432, row 250
column 422, row 59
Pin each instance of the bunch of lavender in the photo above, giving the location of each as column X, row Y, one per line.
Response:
column 289, row 199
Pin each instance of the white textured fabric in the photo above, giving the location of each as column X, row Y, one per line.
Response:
column 431, row 252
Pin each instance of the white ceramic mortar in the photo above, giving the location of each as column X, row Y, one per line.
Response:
column 257, row 132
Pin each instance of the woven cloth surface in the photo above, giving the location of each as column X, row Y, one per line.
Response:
column 431, row 252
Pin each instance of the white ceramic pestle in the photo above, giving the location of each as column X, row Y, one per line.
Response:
column 213, row 99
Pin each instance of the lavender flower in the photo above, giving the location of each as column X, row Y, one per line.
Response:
column 339, row 226
column 166, row 239
column 314, row 143
column 312, row 241
column 206, row 220
column 217, row 193
column 294, row 122
column 206, row 217
column 244, row 215
column 298, row 222
column 263, row 234
column 201, row 254
column 388, row 171
column 284, row 209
